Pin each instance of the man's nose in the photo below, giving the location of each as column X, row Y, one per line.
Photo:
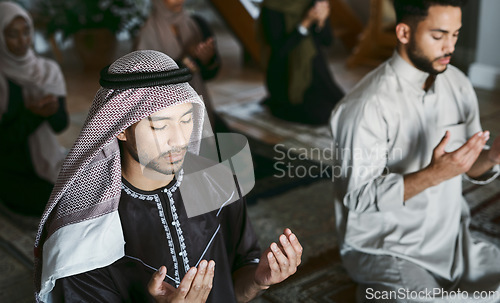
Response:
column 177, row 137
column 449, row 46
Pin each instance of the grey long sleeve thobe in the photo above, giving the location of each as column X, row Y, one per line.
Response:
column 385, row 128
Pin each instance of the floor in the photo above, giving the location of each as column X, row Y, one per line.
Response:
column 238, row 81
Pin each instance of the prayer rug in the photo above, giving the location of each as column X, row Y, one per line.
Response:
column 484, row 202
column 296, row 140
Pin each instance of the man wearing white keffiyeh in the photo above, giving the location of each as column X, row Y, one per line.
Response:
column 137, row 200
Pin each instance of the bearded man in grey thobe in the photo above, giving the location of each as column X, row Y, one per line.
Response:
column 404, row 137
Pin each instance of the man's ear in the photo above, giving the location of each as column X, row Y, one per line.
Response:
column 403, row 33
column 121, row 136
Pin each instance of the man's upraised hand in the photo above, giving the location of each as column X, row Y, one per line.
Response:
column 446, row 165
column 195, row 286
column 279, row 262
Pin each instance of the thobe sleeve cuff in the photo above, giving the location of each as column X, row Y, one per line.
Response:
column 487, row 177
column 390, row 192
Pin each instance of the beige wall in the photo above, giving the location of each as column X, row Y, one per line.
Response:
column 485, row 71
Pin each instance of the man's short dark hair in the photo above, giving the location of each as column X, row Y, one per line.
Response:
column 413, row 11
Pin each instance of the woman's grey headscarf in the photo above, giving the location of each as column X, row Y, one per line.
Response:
column 37, row 77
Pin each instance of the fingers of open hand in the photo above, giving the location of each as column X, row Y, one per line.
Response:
column 323, row 9
column 273, row 263
column 202, row 282
column 157, row 287
column 286, row 264
column 197, row 286
column 477, row 143
column 467, row 154
column 296, row 246
column 290, row 252
column 154, row 284
column 208, row 44
column 205, row 51
column 462, row 158
column 208, row 280
column 186, row 283
column 439, row 149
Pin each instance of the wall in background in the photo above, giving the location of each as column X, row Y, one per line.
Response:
column 465, row 50
column 485, row 71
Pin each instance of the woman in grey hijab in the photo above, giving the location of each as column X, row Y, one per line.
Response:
column 32, row 110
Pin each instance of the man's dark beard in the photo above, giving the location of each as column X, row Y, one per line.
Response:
column 420, row 61
column 156, row 166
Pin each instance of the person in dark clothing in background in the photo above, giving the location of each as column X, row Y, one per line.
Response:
column 300, row 85
column 32, row 109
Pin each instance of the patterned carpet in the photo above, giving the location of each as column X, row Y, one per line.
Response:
column 315, row 143
column 308, row 212
column 484, row 202
column 17, row 236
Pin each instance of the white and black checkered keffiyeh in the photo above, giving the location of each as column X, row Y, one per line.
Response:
column 82, row 213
